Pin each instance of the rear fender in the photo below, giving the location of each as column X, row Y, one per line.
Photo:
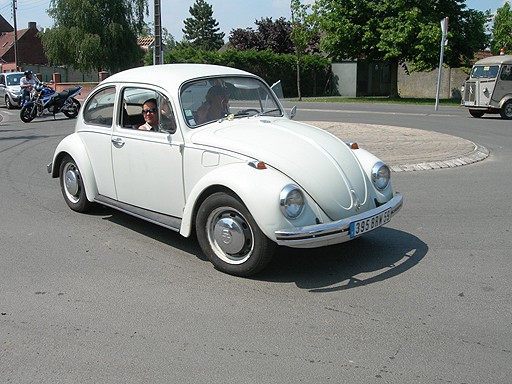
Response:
column 72, row 145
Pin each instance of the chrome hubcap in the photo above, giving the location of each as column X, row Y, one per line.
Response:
column 71, row 182
column 230, row 235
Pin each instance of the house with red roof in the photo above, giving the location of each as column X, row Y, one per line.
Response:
column 30, row 48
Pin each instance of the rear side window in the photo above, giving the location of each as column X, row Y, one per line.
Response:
column 99, row 109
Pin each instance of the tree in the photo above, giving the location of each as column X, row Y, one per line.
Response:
column 396, row 31
column 304, row 30
column 202, row 30
column 95, row 34
column 272, row 35
column 502, row 30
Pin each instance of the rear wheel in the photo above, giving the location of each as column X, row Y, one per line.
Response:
column 72, row 110
column 230, row 238
column 28, row 113
column 72, row 186
column 506, row 110
column 476, row 113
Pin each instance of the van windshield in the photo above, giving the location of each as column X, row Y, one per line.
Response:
column 485, row 71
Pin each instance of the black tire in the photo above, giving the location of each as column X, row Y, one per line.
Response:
column 230, row 238
column 8, row 103
column 72, row 110
column 506, row 110
column 476, row 113
column 72, row 186
column 28, row 113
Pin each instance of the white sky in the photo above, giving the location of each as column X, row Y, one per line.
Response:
column 230, row 14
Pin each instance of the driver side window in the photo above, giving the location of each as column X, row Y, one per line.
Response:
column 146, row 109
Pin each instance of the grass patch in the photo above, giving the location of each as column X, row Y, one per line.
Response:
column 382, row 100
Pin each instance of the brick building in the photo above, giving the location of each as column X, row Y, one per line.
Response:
column 30, row 48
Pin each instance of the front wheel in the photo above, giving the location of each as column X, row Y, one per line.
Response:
column 476, row 113
column 72, row 186
column 506, row 110
column 8, row 102
column 230, row 238
column 72, row 110
column 28, row 113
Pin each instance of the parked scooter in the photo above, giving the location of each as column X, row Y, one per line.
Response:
column 45, row 98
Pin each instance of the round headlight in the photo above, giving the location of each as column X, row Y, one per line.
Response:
column 380, row 175
column 291, row 201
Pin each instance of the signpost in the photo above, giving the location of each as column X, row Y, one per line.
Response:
column 444, row 30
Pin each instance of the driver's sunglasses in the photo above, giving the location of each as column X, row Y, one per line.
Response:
column 152, row 110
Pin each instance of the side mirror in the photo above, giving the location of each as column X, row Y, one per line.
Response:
column 293, row 112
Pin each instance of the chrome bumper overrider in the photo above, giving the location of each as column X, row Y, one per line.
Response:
column 331, row 233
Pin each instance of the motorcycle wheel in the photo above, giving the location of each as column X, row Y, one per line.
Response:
column 28, row 113
column 72, row 110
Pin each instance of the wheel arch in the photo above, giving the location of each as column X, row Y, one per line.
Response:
column 73, row 147
column 504, row 99
column 243, row 182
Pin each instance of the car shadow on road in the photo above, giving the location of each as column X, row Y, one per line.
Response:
column 374, row 257
column 377, row 256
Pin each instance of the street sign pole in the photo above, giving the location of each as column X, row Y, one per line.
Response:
column 444, row 30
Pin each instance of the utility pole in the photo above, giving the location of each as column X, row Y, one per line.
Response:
column 16, row 59
column 157, row 53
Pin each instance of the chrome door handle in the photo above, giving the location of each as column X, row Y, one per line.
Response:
column 118, row 141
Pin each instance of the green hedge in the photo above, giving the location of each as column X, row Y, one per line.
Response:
column 315, row 70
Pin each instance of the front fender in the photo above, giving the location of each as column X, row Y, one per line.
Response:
column 258, row 189
column 73, row 146
column 367, row 161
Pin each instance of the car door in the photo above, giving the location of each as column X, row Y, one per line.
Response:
column 147, row 165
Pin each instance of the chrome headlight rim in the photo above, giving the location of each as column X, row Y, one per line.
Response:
column 291, row 201
column 381, row 175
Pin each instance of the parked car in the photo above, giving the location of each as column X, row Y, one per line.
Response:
column 245, row 180
column 10, row 91
column 489, row 87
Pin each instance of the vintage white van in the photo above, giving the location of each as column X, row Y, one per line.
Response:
column 489, row 87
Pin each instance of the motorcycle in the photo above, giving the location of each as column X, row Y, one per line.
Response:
column 44, row 98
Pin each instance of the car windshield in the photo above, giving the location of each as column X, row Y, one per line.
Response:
column 14, row 79
column 485, row 71
column 207, row 100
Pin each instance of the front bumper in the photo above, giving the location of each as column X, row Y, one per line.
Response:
column 331, row 233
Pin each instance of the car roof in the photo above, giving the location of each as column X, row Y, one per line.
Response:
column 171, row 76
column 13, row 73
column 496, row 60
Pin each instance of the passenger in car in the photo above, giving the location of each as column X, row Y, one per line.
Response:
column 150, row 114
column 215, row 106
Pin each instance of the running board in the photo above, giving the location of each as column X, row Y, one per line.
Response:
column 166, row 221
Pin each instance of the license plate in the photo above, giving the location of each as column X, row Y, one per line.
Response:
column 357, row 228
column 469, row 103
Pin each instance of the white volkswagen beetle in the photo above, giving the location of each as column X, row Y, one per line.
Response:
column 224, row 160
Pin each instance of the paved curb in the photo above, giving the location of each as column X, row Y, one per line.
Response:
column 409, row 149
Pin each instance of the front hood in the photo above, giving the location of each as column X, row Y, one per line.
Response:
column 317, row 161
column 14, row 88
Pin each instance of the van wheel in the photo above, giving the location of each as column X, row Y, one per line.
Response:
column 476, row 113
column 506, row 110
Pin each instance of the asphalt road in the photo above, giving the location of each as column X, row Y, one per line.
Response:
column 107, row 298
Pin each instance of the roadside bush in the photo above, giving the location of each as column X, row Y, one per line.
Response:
column 272, row 67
